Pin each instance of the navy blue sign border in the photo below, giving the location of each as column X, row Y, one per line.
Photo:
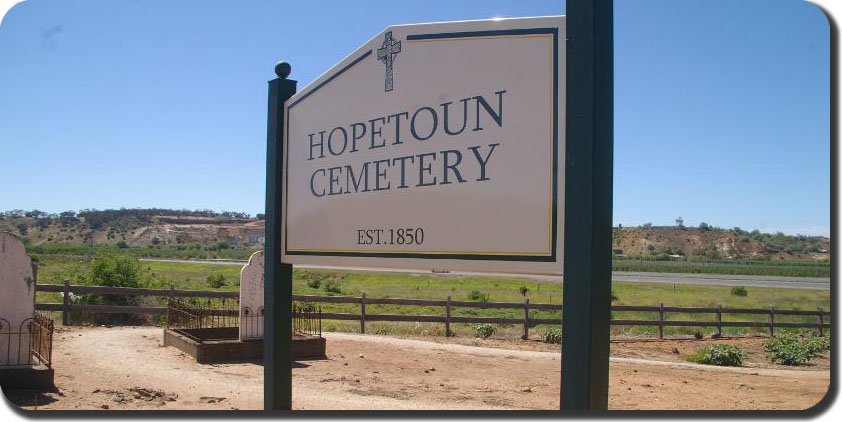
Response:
column 457, row 256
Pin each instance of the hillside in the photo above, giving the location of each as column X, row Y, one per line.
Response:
column 136, row 228
column 717, row 243
column 144, row 227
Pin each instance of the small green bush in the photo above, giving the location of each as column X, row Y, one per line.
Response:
column 478, row 296
column 817, row 344
column 739, row 291
column 484, row 330
column 524, row 290
column 788, row 349
column 552, row 335
column 719, row 355
column 314, row 283
column 332, row 286
column 216, row 280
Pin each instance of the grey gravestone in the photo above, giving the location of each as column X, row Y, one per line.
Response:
column 251, row 298
column 17, row 301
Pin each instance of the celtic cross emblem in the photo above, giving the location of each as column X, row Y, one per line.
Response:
column 386, row 53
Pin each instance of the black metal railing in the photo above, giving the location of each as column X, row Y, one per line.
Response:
column 206, row 321
column 30, row 343
column 307, row 320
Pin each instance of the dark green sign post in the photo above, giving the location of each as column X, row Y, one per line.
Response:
column 277, row 285
column 588, row 205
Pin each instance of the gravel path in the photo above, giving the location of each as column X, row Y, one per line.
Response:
column 128, row 368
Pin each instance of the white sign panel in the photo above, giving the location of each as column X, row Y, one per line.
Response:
column 433, row 146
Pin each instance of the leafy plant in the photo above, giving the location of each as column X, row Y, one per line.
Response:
column 314, row 283
column 332, row 286
column 552, row 335
column 478, row 296
column 484, row 330
column 788, row 349
column 739, row 291
column 216, row 280
column 818, row 344
column 524, row 290
column 719, row 354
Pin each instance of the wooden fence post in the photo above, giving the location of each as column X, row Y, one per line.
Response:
column 525, row 335
column 362, row 314
column 821, row 321
column 447, row 332
column 661, row 321
column 772, row 321
column 719, row 320
column 65, row 320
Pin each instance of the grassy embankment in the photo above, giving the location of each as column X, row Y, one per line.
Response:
column 53, row 269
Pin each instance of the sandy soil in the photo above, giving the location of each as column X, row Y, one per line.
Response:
column 128, row 368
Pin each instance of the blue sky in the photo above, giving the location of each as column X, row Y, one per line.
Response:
column 722, row 107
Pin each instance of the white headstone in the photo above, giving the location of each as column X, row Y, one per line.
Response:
column 251, row 298
column 17, row 300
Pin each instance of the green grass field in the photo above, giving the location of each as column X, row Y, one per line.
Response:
column 54, row 268
column 734, row 267
column 791, row 268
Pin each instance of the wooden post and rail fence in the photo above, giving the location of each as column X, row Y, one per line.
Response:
column 527, row 321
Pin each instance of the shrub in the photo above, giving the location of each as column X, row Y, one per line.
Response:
column 314, row 283
column 524, row 290
column 111, row 271
column 122, row 244
column 614, row 296
column 332, row 286
column 817, row 344
column 552, row 335
column 484, row 330
column 478, row 296
column 719, row 355
column 739, row 291
column 216, row 280
column 787, row 349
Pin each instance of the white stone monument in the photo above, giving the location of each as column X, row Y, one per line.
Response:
column 251, row 298
column 17, row 301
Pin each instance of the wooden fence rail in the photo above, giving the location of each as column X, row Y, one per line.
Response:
column 527, row 321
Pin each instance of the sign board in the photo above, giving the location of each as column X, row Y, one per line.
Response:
column 433, row 146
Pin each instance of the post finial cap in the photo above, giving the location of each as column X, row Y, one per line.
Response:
column 283, row 69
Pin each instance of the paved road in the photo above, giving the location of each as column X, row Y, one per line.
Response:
column 634, row 277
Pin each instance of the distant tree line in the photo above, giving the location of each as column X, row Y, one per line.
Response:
column 99, row 218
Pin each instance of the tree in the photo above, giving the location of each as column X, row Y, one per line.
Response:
column 705, row 227
column 117, row 271
column 111, row 271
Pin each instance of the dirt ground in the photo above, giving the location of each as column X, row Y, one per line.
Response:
column 128, row 368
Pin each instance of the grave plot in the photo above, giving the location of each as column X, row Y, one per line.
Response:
column 25, row 336
column 213, row 334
